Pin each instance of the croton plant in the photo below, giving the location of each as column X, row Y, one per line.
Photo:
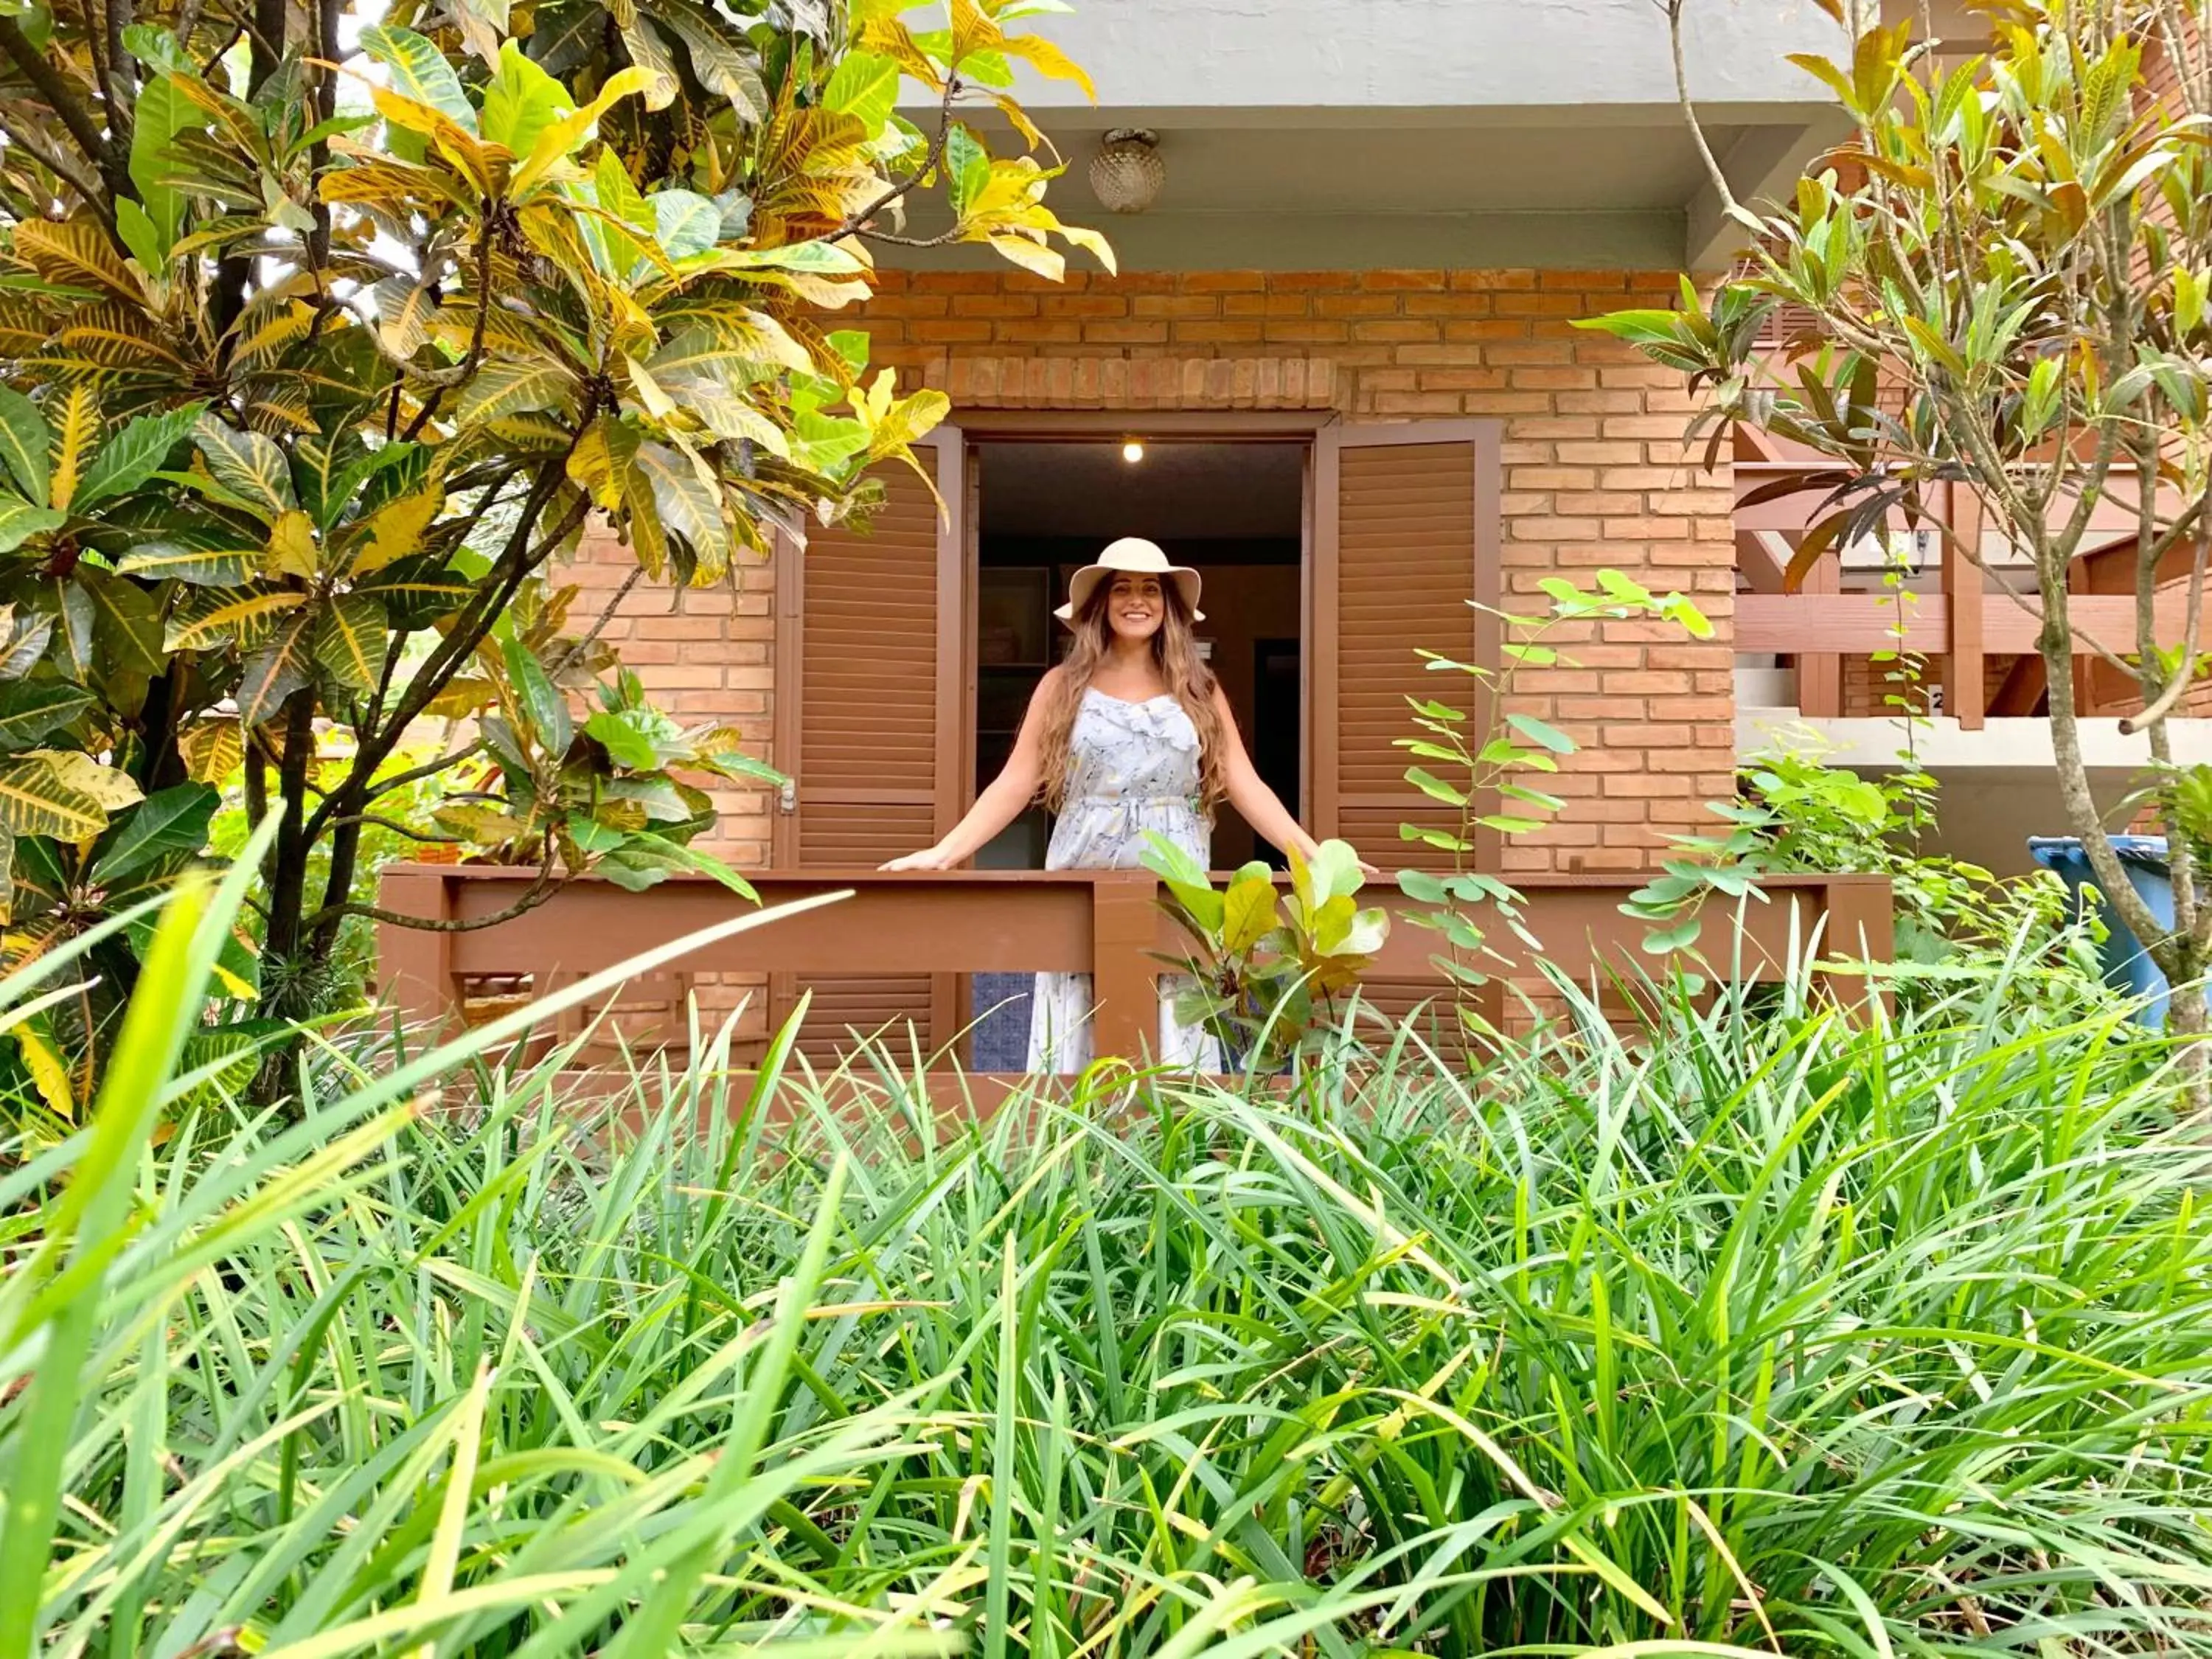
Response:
column 326, row 330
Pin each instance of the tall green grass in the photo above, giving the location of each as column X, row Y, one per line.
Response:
column 1765, row 1333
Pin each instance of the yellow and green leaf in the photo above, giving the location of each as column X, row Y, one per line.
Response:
column 276, row 669
column 350, row 642
column 248, row 467
column 233, row 621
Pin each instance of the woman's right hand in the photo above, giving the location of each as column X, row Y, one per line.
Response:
column 930, row 858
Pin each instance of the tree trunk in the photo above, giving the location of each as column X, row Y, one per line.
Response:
column 284, row 975
column 2189, row 1019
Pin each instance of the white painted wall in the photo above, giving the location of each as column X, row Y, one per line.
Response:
column 1417, row 54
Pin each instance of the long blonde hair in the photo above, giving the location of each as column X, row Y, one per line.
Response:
column 1189, row 680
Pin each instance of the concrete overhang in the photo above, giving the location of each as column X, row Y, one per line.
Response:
column 1940, row 744
column 1333, row 133
column 1356, row 54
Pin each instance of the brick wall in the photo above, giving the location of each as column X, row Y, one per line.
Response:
column 704, row 654
column 1596, row 471
column 1596, row 474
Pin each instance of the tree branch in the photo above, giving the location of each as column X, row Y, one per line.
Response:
column 899, row 193
column 538, row 892
column 60, row 166
column 2177, row 688
column 519, row 559
column 65, row 104
column 1730, row 206
column 579, row 646
column 396, row 827
column 382, row 787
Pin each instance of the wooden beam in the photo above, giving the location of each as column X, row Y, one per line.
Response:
column 1762, row 558
column 2113, row 518
column 2025, row 692
column 415, row 965
column 1125, row 929
column 1107, row 923
column 1853, row 624
column 1846, row 624
column 1963, row 682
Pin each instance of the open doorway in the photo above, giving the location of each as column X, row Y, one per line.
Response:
column 1233, row 511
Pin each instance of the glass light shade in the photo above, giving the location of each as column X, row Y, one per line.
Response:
column 1127, row 172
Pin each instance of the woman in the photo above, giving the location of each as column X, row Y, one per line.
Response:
column 1130, row 734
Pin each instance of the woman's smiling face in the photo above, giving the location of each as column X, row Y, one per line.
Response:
column 1135, row 607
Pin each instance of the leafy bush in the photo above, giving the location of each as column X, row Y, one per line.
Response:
column 1269, row 975
column 326, row 332
column 1796, row 813
column 1484, row 767
column 1784, row 1334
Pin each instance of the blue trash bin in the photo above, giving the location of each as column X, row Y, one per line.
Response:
column 2127, row 964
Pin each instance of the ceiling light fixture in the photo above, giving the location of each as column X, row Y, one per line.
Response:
column 1133, row 452
column 1127, row 172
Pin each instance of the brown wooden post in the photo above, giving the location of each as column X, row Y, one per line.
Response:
column 2080, row 579
column 415, row 963
column 1125, row 928
column 1963, row 682
column 1859, row 928
column 1820, row 673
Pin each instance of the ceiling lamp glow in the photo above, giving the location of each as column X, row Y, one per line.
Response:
column 1127, row 172
column 1133, row 452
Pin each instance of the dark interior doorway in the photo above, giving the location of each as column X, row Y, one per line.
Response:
column 1233, row 511
column 1278, row 736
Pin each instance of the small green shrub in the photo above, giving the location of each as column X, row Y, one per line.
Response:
column 1270, row 977
column 1794, row 812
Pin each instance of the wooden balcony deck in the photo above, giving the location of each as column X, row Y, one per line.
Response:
column 1106, row 924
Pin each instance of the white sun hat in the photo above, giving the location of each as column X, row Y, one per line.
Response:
column 1132, row 556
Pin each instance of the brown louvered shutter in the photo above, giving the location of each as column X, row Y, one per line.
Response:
column 1407, row 527
column 868, row 681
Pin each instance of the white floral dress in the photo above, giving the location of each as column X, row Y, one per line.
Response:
column 1133, row 767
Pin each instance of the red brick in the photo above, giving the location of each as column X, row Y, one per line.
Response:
column 1448, row 305
column 1287, row 282
column 1223, row 281
column 1398, row 330
column 1401, row 279
column 1135, row 282
column 1247, row 331
column 1359, row 305
column 1149, row 332
column 1060, row 330
column 950, row 330
column 1307, row 333
column 1174, row 305
column 1084, row 305
column 995, row 304
column 1265, row 305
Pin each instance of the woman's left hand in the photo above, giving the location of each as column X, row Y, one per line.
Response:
column 1311, row 850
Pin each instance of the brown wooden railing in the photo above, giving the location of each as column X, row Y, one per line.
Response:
column 1106, row 924
column 1958, row 628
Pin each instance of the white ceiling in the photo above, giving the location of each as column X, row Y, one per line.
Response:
column 1179, row 491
